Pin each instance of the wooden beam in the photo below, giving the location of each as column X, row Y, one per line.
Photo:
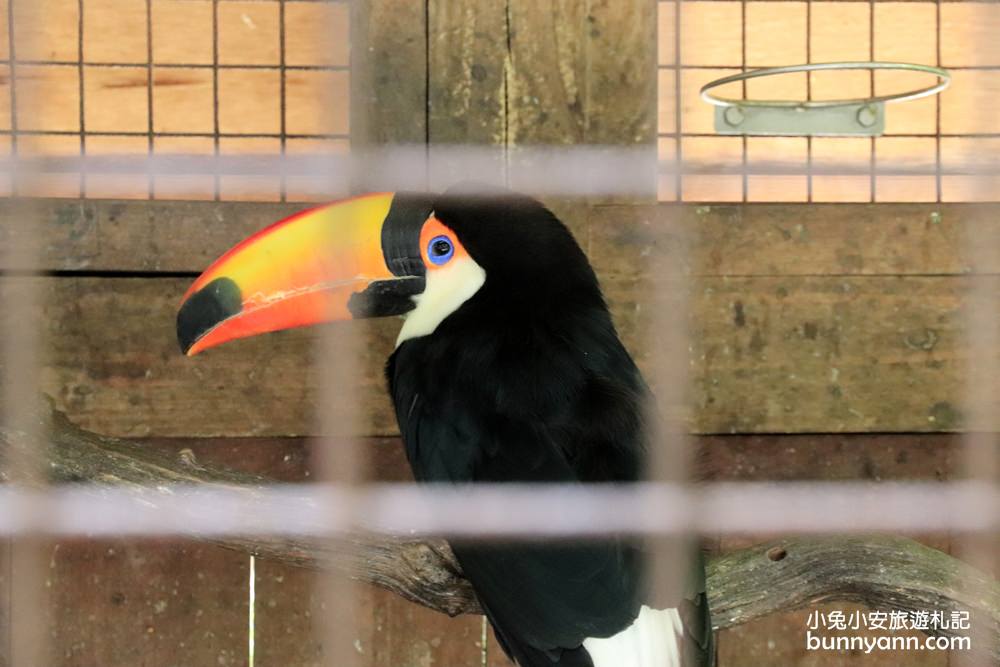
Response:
column 728, row 240
column 769, row 354
column 796, row 240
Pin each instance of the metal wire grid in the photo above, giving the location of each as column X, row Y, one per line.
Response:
column 17, row 133
column 678, row 134
column 743, row 503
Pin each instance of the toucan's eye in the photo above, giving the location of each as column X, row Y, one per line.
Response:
column 440, row 250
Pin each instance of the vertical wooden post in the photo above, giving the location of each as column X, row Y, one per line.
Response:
column 388, row 73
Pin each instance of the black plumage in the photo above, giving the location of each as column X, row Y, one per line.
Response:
column 527, row 381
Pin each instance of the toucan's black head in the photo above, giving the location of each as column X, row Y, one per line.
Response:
column 389, row 254
column 524, row 249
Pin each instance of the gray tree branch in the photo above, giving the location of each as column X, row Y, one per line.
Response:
column 879, row 571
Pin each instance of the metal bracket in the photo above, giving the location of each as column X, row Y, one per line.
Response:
column 857, row 117
column 866, row 119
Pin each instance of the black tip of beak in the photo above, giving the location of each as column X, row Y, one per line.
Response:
column 213, row 303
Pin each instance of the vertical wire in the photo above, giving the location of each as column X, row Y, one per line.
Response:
column 938, row 180
column 151, row 192
column 25, row 458
column 980, row 456
column 668, row 446
column 215, row 96
column 252, row 612
column 981, row 442
column 283, row 83
column 871, row 84
column 339, row 464
column 678, row 107
column 743, row 67
column 12, row 70
column 80, row 82
column 14, row 188
column 669, row 453
column 24, row 461
column 809, row 139
column 427, row 94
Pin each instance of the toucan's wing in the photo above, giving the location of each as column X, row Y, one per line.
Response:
column 543, row 598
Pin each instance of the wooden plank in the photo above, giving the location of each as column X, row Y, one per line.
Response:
column 582, row 73
column 780, row 639
column 467, row 61
column 108, row 235
column 151, row 602
column 744, row 240
column 127, row 582
column 467, row 89
column 817, row 354
column 794, row 240
column 869, row 456
column 770, row 354
column 393, row 632
column 388, row 72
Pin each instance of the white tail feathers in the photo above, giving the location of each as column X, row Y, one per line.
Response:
column 653, row 640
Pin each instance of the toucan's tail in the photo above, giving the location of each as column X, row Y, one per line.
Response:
column 671, row 637
column 657, row 638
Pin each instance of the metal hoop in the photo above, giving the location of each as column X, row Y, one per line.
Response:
column 944, row 80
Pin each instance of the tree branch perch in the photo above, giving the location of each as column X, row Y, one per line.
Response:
column 879, row 571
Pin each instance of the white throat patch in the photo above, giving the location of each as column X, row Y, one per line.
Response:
column 447, row 288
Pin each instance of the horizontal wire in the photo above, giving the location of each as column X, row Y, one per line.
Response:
column 493, row 511
column 156, row 65
column 690, row 66
column 577, row 170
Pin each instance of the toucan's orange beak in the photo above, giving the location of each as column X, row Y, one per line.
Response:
column 321, row 265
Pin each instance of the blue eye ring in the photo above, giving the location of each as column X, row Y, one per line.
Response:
column 440, row 250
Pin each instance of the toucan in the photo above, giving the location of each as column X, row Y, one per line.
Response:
column 507, row 368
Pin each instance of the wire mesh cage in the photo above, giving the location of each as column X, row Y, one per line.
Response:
column 816, row 317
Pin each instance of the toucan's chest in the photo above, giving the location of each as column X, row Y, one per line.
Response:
column 524, row 405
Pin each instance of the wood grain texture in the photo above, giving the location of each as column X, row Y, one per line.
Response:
column 467, row 99
column 467, row 62
column 781, row 575
column 392, row 631
column 582, row 72
column 123, row 601
column 817, row 354
column 791, row 240
column 770, row 354
column 389, row 73
column 744, row 240
column 779, row 641
column 151, row 602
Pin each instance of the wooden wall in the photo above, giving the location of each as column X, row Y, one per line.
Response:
column 928, row 145
column 828, row 340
